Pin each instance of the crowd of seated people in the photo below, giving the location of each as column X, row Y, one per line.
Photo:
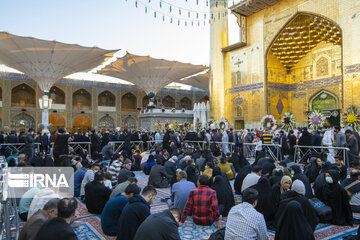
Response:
column 277, row 194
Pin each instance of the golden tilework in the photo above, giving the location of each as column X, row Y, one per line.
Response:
column 301, row 35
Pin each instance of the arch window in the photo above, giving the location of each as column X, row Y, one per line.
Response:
column 23, row 96
column 81, row 100
column 145, row 101
column 56, row 120
column 22, row 122
column 106, row 99
column 57, row 95
column 81, row 123
column 168, row 102
column 106, row 123
column 324, row 100
column 128, row 103
column 186, row 103
column 129, row 123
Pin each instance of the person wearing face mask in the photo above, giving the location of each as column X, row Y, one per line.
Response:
column 135, row 213
column 335, row 196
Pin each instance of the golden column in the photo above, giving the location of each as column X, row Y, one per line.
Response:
column 218, row 40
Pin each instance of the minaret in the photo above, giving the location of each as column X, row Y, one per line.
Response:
column 218, row 40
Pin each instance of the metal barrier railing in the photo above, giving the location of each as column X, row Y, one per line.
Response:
column 191, row 145
column 20, row 146
column 75, row 147
column 152, row 145
column 205, row 145
column 81, row 146
column 272, row 149
column 8, row 208
column 300, row 156
column 119, row 145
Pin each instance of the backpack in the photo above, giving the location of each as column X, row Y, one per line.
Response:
column 323, row 211
column 218, row 235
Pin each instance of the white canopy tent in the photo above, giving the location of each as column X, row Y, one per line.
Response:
column 199, row 81
column 48, row 61
column 149, row 74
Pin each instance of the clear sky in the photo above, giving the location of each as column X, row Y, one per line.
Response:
column 113, row 24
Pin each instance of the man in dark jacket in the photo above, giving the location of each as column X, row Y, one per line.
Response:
column 34, row 223
column 125, row 172
column 135, row 213
column 29, row 145
column 59, row 228
column 60, row 146
column 170, row 165
column 45, row 143
column 291, row 139
column 107, row 151
column 158, row 176
column 96, row 194
column 160, row 226
column 95, row 143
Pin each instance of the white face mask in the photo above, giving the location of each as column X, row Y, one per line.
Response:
column 329, row 180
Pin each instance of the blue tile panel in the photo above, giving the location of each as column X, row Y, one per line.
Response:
column 246, row 88
column 309, row 84
column 352, row 68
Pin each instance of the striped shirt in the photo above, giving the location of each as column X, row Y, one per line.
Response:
column 267, row 138
column 114, row 170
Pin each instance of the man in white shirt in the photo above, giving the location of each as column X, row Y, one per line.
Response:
column 252, row 178
column 89, row 177
column 244, row 222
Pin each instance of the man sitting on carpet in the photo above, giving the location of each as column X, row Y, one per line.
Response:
column 160, row 226
column 252, row 178
column 158, row 177
column 34, row 223
column 89, row 177
column 180, row 191
column 203, row 204
column 115, row 168
column 125, row 172
column 113, row 208
column 134, row 213
column 59, row 228
column 96, row 194
column 244, row 222
column 122, row 186
column 352, row 187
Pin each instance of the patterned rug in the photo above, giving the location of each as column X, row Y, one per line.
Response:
column 90, row 228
